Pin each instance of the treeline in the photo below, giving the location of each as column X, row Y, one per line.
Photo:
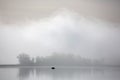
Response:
column 56, row 60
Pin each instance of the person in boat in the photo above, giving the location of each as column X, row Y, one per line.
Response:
column 52, row 67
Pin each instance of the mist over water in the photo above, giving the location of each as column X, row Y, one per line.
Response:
column 65, row 31
column 60, row 73
column 59, row 40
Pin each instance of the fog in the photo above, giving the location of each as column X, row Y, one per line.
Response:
column 89, row 28
column 65, row 31
column 17, row 11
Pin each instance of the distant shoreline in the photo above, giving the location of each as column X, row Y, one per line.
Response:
column 37, row 66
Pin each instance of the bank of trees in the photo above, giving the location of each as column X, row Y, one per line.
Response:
column 56, row 60
column 25, row 59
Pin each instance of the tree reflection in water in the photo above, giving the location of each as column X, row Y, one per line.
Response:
column 24, row 73
column 59, row 73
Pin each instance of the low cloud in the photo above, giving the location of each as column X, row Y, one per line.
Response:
column 63, row 32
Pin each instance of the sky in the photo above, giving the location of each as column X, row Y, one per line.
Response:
column 89, row 28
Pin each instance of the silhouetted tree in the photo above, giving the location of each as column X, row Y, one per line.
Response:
column 24, row 59
column 38, row 60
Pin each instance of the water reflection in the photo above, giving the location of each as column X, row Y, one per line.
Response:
column 58, row 74
column 24, row 73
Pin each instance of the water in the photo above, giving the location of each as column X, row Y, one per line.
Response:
column 30, row 73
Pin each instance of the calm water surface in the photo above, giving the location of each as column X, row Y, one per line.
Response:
column 29, row 73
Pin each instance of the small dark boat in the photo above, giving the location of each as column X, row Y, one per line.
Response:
column 52, row 67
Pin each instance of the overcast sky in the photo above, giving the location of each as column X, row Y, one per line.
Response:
column 89, row 28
